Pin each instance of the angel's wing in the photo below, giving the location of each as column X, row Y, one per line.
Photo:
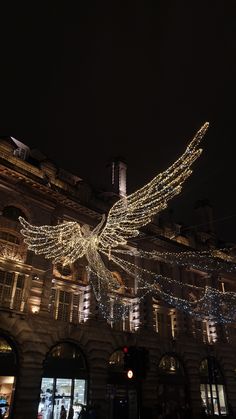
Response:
column 63, row 242
column 136, row 210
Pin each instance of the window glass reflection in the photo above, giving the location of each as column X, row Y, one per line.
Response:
column 8, row 369
column 170, row 365
column 79, row 392
column 61, row 394
column 46, row 399
column 63, row 387
column 211, row 403
column 221, row 392
column 6, row 391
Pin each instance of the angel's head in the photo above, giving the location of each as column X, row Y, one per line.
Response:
column 85, row 229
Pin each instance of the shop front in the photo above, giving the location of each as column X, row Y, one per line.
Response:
column 64, row 383
column 213, row 393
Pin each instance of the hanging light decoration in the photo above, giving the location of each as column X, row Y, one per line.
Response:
column 67, row 242
column 202, row 302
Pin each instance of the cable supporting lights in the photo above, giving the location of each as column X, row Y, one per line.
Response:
column 67, row 242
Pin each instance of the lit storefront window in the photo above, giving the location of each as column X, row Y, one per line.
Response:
column 8, row 368
column 64, row 383
column 212, row 388
column 56, row 392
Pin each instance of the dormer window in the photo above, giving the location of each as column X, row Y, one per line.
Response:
column 21, row 153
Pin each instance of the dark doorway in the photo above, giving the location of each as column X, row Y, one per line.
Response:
column 172, row 392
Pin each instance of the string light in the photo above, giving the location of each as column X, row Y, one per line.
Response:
column 206, row 260
column 136, row 210
column 201, row 302
column 68, row 242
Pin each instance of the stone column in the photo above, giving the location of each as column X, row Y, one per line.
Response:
column 98, row 381
column 194, row 387
column 46, row 292
column 28, row 387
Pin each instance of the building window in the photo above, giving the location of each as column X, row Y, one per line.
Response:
column 13, row 213
column 172, row 385
column 8, row 367
column 63, row 270
column 8, row 237
column 12, row 290
column 164, row 320
column 169, row 364
column 69, row 306
column 64, row 382
column 212, row 388
column 64, row 303
column 124, row 315
column 209, row 331
column 117, row 360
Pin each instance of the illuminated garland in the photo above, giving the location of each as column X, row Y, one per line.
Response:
column 131, row 213
column 201, row 302
column 69, row 241
column 205, row 260
column 111, row 305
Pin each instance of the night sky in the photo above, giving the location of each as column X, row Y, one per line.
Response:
column 95, row 80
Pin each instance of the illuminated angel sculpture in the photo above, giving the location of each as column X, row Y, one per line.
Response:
column 69, row 241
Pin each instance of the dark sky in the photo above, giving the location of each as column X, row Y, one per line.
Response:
column 94, row 80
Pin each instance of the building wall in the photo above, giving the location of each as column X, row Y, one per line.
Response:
column 32, row 319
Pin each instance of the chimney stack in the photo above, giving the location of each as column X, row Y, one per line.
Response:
column 118, row 176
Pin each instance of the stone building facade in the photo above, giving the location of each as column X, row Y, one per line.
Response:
column 55, row 346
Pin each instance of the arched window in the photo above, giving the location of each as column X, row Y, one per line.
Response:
column 8, row 368
column 116, row 360
column 169, row 364
column 212, row 387
column 13, row 213
column 172, row 384
column 64, row 381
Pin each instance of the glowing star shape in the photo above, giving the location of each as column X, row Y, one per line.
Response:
column 68, row 241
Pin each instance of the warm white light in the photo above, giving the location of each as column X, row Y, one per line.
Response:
column 130, row 374
column 35, row 309
column 69, row 241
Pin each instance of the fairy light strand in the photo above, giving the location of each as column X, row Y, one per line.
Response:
column 68, row 242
